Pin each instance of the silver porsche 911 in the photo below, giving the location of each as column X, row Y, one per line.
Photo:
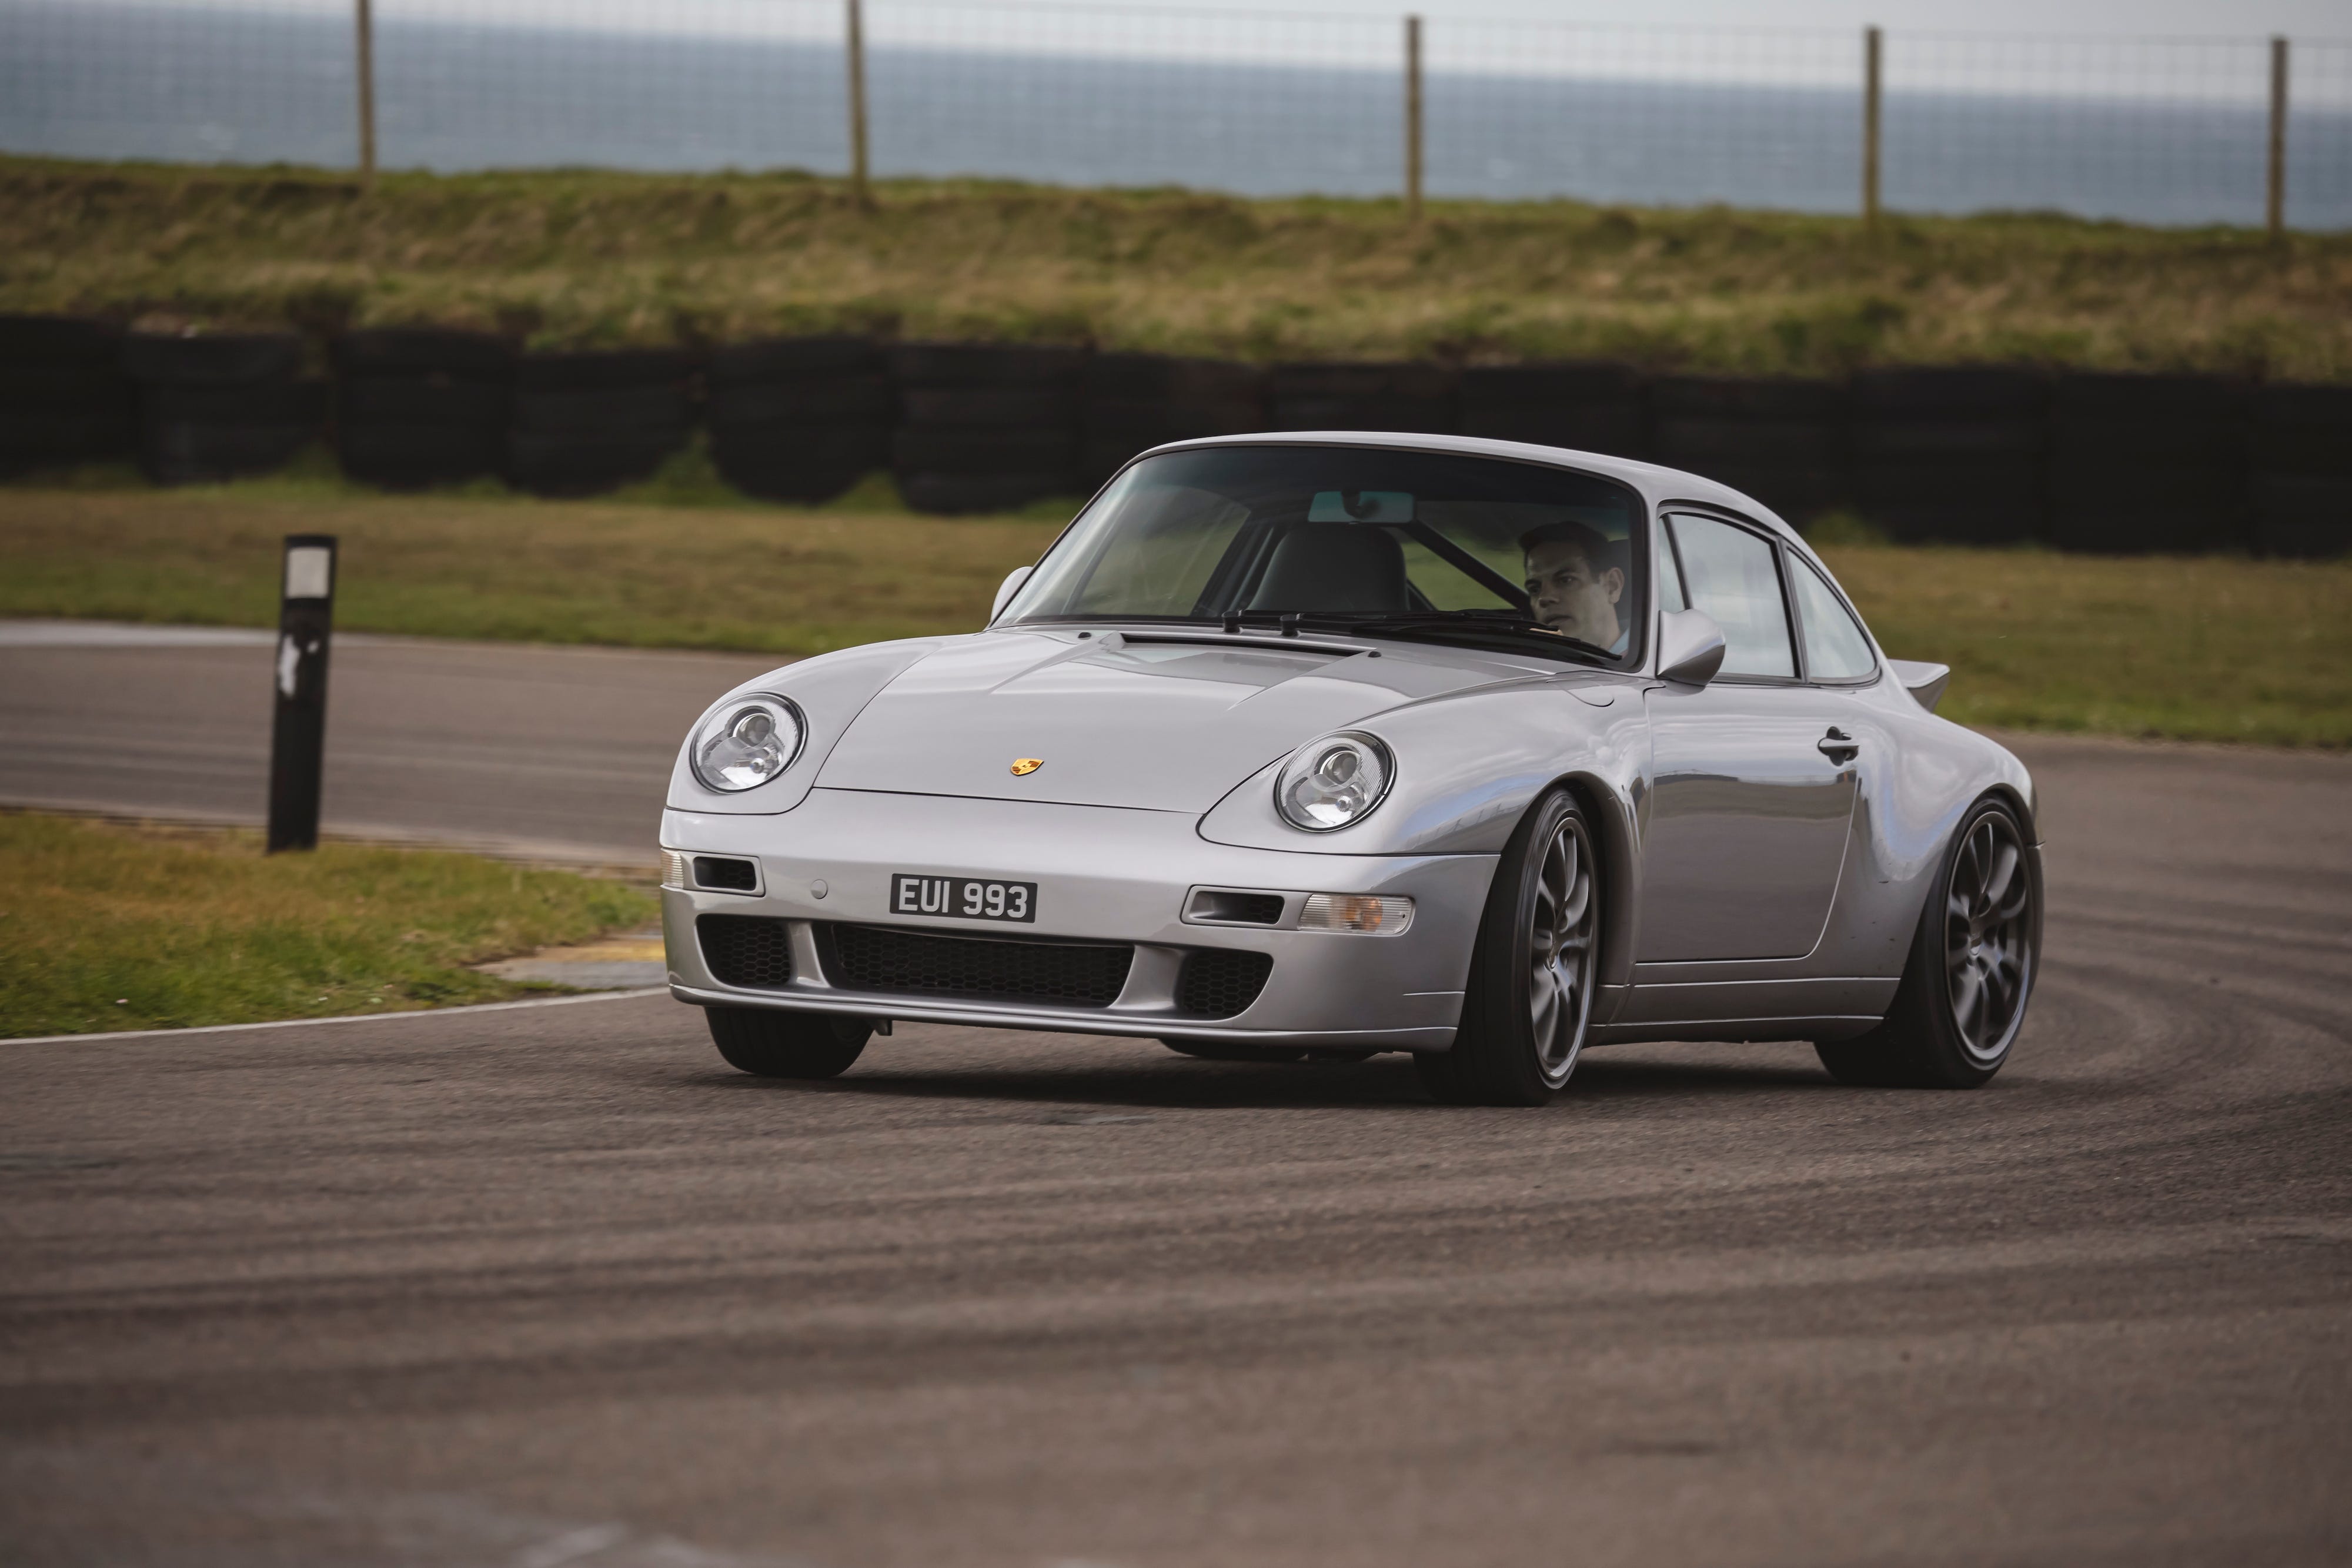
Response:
column 1323, row 745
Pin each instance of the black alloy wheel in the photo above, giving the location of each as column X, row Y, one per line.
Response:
column 1528, row 1003
column 1962, row 1000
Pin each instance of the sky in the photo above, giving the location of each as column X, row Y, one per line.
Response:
column 2227, row 18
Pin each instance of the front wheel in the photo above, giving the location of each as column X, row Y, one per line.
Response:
column 786, row 1045
column 1529, row 998
column 1970, row 972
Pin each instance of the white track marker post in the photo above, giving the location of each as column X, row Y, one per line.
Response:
column 298, row 735
column 1872, row 52
column 365, row 28
column 2275, row 206
column 859, row 189
column 1412, row 119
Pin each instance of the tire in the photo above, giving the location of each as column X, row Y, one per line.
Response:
column 968, row 449
column 1410, row 415
column 990, row 407
column 230, row 359
column 1528, row 1002
column 582, row 463
column 1617, row 428
column 810, row 360
column 1940, row 393
column 1761, row 398
column 1980, row 921
column 985, row 364
column 1491, row 387
column 603, row 369
column 622, row 410
column 1162, row 378
column 952, row 494
column 835, row 399
column 786, row 1045
column 425, row 351
column 2305, row 515
column 424, row 400
column 59, row 341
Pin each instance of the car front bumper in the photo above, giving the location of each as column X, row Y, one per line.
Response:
column 1104, row 875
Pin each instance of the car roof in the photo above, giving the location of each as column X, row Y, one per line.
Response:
column 1658, row 485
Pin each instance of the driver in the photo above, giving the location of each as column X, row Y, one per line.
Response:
column 1576, row 576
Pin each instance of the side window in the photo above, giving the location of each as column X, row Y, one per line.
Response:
column 1670, row 579
column 1835, row 649
column 1731, row 577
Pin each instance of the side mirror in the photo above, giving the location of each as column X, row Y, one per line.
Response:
column 1690, row 647
column 1924, row 680
column 1007, row 589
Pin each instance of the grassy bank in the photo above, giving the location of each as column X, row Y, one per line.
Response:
column 643, row 572
column 2206, row 648
column 105, row 926
column 573, row 257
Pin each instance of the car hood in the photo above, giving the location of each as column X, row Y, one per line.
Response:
column 1159, row 724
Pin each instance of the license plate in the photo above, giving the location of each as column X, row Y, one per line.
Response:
column 962, row 898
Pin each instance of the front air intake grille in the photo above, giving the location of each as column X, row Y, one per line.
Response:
column 731, row 876
column 1069, row 974
column 749, row 950
column 1219, row 982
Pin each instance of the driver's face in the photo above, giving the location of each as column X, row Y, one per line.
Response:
column 1567, row 596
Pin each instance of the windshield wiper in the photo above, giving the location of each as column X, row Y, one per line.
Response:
column 1375, row 624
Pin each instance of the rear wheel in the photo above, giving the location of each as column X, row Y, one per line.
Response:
column 1529, row 998
column 1970, row 972
column 786, row 1045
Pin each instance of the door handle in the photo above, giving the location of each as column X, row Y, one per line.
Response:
column 1839, row 746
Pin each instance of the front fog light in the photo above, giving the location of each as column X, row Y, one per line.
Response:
column 746, row 742
column 1374, row 916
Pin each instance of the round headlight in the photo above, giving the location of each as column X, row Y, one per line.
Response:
column 746, row 742
column 1336, row 782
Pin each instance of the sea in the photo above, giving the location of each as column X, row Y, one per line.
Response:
column 120, row 81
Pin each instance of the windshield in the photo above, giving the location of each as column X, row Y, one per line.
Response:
column 1394, row 543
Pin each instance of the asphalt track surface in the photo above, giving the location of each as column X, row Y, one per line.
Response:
column 552, row 1286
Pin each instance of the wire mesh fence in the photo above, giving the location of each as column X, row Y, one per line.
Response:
column 2163, row 130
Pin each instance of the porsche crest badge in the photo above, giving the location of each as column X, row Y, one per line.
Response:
column 1024, row 766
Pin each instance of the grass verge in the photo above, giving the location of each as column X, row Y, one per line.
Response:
column 105, row 926
column 577, row 257
column 2196, row 648
column 677, row 563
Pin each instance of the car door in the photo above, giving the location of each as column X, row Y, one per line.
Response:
column 1753, row 775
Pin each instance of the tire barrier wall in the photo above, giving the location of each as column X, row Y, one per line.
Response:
column 64, row 396
column 221, row 407
column 799, row 419
column 985, row 429
column 1994, row 455
column 419, row 407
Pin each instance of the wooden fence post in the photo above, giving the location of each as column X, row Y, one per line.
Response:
column 2275, row 207
column 365, row 21
column 1872, row 49
column 1412, row 118
column 859, row 189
